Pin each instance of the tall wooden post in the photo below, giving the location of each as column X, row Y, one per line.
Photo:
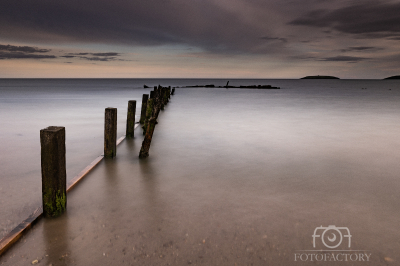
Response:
column 54, row 175
column 110, row 132
column 143, row 112
column 130, row 120
column 152, row 94
column 173, row 91
column 144, row 151
column 149, row 113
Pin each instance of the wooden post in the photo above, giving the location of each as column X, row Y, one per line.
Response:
column 54, row 175
column 166, row 95
column 143, row 112
column 110, row 132
column 173, row 91
column 130, row 120
column 162, row 98
column 144, row 151
column 149, row 113
column 152, row 94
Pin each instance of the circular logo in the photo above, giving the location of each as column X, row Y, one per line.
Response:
column 332, row 237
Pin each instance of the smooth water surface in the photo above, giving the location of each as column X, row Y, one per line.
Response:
column 262, row 163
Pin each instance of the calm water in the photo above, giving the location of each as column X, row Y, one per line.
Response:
column 314, row 152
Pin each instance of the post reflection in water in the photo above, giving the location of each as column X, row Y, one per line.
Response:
column 57, row 240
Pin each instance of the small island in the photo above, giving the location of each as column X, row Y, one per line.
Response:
column 320, row 77
column 393, row 77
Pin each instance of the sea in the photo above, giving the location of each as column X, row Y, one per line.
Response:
column 323, row 153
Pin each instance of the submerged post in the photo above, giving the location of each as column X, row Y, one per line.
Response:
column 130, row 120
column 54, row 175
column 110, row 132
column 143, row 112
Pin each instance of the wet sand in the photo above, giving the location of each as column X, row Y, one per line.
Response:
column 207, row 195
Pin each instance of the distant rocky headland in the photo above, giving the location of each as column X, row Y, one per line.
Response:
column 320, row 77
column 393, row 77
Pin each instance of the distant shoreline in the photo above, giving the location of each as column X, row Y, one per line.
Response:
column 320, row 77
column 393, row 77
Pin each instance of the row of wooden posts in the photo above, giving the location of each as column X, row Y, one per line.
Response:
column 52, row 139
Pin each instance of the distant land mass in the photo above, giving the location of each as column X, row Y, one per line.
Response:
column 320, row 77
column 393, row 77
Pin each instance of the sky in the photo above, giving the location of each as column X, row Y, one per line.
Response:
column 199, row 38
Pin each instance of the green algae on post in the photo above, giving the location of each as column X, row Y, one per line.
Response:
column 54, row 175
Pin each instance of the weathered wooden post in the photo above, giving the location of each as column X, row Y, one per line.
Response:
column 162, row 98
column 143, row 112
column 151, row 124
column 54, row 175
column 110, row 132
column 130, row 120
column 152, row 94
column 173, row 91
column 144, row 151
column 149, row 113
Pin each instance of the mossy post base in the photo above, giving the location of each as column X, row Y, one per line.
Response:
column 110, row 132
column 144, row 105
column 130, row 120
column 54, row 175
column 144, row 151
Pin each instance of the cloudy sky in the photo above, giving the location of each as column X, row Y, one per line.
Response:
column 199, row 38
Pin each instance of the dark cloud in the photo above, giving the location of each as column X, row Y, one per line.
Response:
column 303, row 57
column 209, row 24
column 105, row 54
column 21, row 55
column 361, row 49
column 274, row 39
column 24, row 49
column 23, row 52
column 351, row 59
column 105, row 57
column 240, row 27
column 28, row 52
column 373, row 19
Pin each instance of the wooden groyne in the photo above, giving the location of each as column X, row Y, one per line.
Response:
column 53, row 164
column 54, row 185
column 159, row 98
